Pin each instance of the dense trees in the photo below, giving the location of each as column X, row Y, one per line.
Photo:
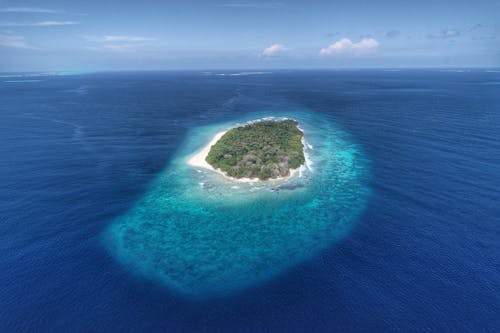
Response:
column 264, row 149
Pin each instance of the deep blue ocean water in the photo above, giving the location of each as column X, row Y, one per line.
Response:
column 79, row 152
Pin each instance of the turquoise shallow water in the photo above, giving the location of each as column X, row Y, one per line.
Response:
column 200, row 234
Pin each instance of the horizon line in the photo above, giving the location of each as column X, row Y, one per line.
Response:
column 256, row 69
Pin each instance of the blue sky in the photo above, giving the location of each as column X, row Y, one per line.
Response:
column 135, row 35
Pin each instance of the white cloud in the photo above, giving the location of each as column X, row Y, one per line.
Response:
column 15, row 41
column 53, row 23
column 118, row 38
column 274, row 50
column 38, row 24
column 25, row 10
column 346, row 46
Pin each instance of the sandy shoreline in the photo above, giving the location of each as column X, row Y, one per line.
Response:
column 198, row 160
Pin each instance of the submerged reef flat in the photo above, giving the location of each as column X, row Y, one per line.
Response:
column 201, row 234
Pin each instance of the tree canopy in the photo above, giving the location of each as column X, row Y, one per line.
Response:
column 263, row 149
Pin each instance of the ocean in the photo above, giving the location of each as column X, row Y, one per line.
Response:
column 394, row 227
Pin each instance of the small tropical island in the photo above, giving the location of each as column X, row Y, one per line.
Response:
column 261, row 150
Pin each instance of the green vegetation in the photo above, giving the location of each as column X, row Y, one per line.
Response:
column 264, row 149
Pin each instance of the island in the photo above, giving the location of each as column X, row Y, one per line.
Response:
column 257, row 151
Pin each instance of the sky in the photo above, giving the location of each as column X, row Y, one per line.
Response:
column 52, row 35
